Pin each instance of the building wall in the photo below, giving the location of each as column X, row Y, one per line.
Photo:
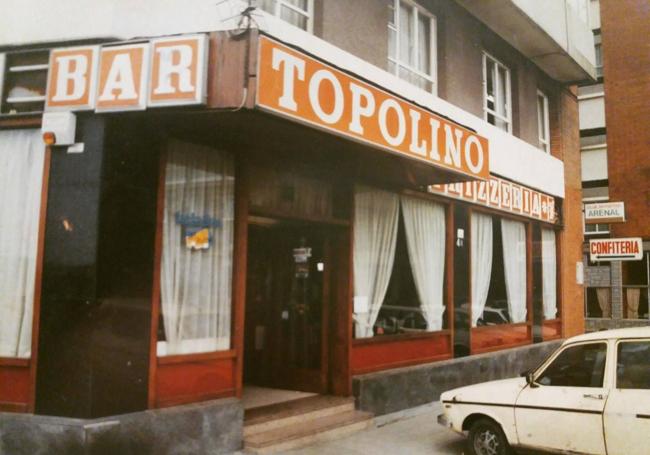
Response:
column 565, row 144
column 626, row 61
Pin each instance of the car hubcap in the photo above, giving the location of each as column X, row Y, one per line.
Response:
column 486, row 443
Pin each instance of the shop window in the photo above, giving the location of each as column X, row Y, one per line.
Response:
column 399, row 264
column 23, row 82
column 598, row 302
column 412, row 44
column 543, row 122
column 496, row 93
column 296, row 12
column 21, row 178
column 197, row 250
column 498, row 258
column 635, row 288
column 549, row 274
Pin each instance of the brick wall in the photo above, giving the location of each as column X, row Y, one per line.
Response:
column 626, row 60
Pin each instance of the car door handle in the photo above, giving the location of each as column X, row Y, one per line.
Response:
column 594, row 396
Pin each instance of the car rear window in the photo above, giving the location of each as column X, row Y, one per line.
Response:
column 633, row 365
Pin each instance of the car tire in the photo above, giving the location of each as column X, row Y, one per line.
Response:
column 486, row 438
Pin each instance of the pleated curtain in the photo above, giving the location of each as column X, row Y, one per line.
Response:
column 376, row 216
column 22, row 157
column 425, row 238
column 549, row 273
column 481, row 258
column 514, row 264
column 196, row 285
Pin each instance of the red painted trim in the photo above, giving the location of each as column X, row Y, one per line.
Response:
column 382, row 354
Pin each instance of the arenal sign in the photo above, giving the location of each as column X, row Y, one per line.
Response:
column 295, row 85
column 605, row 212
column 168, row 71
column 502, row 195
column 623, row 249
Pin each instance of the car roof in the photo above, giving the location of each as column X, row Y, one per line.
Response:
column 632, row 332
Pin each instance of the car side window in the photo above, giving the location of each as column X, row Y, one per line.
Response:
column 577, row 366
column 633, row 365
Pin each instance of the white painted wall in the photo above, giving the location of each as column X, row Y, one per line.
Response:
column 592, row 111
column 594, row 164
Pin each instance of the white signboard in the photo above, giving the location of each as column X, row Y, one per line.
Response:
column 605, row 212
column 625, row 249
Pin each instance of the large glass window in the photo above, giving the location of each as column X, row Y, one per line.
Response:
column 498, row 260
column 598, row 302
column 196, row 268
column 549, row 274
column 296, row 12
column 577, row 366
column 21, row 178
column 399, row 257
column 636, row 275
column 496, row 93
column 412, row 44
column 633, row 365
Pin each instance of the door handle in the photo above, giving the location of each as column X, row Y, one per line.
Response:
column 594, row 396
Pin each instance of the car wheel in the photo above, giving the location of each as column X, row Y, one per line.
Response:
column 486, row 438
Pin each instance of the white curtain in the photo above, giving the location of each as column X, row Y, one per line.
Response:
column 376, row 216
column 425, row 237
column 21, row 178
column 549, row 270
column 196, row 277
column 481, row 246
column 513, row 234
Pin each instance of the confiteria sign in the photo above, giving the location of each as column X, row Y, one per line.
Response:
column 295, row 85
column 502, row 195
column 162, row 72
column 625, row 249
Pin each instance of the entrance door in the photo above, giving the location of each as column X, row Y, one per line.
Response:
column 287, row 306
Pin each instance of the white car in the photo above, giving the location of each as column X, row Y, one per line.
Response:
column 591, row 396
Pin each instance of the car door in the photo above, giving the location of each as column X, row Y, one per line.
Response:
column 563, row 408
column 627, row 413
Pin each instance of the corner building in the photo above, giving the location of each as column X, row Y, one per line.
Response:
column 322, row 197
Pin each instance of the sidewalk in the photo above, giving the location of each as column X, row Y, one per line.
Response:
column 415, row 432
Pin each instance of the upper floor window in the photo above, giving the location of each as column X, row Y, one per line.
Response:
column 598, row 47
column 297, row 12
column 543, row 122
column 23, row 80
column 496, row 93
column 412, row 44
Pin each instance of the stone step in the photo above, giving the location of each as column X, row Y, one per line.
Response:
column 266, row 418
column 308, row 432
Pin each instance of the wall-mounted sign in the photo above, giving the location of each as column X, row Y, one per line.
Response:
column 123, row 73
column 71, row 79
column 624, row 249
column 605, row 212
column 168, row 71
column 502, row 195
column 295, row 85
column 197, row 230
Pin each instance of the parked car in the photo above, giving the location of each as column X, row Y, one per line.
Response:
column 591, row 396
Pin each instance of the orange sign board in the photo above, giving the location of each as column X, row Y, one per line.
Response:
column 502, row 195
column 123, row 72
column 122, row 80
column 295, row 85
column 71, row 79
column 178, row 73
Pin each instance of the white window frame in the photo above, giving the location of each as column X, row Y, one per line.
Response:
column 433, row 54
column 309, row 14
column 508, row 95
column 545, row 135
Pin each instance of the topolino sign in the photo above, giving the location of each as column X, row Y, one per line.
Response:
column 605, row 212
column 300, row 87
column 624, row 249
